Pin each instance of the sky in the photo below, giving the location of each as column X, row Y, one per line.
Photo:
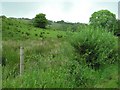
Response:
column 56, row 10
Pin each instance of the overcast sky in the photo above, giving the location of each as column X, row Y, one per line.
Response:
column 67, row 10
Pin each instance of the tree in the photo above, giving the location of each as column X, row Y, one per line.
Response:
column 40, row 21
column 104, row 19
column 3, row 17
column 61, row 22
column 117, row 31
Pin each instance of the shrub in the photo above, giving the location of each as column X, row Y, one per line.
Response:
column 97, row 47
column 59, row 36
column 36, row 34
column 3, row 61
column 41, row 35
column 27, row 33
column 48, row 33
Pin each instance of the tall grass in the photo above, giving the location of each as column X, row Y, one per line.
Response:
column 44, row 66
column 86, row 58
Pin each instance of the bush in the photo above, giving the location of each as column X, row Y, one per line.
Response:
column 36, row 34
column 97, row 47
column 59, row 36
column 95, row 51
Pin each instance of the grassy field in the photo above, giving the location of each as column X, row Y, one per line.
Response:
column 58, row 58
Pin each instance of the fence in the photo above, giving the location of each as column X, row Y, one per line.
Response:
column 21, row 60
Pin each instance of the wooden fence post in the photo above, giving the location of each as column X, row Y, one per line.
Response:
column 21, row 60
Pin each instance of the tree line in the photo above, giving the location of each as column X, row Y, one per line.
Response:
column 100, row 19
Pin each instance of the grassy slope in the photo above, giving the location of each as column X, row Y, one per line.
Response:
column 43, row 55
column 47, row 59
column 21, row 29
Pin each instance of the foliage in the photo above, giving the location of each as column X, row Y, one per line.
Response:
column 104, row 19
column 66, row 26
column 117, row 31
column 54, row 66
column 3, row 17
column 40, row 20
column 96, row 54
column 21, row 29
column 62, row 21
column 45, row 67
column 52, row 62
column 97, row 47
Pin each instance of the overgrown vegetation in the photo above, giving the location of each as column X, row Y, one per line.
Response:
column 64, row 55
column 98, row 47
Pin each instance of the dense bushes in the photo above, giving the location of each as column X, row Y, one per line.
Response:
column 96, row 53
column 97, row 47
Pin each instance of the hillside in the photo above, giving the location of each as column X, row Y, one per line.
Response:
column 57, row 58
column 19, row 29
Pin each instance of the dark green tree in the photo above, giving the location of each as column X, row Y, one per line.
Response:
column 40, row 20
column 117, row 31
column 61, row 22
column 104, row 19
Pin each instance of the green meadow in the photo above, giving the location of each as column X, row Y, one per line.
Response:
column 63, row 55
